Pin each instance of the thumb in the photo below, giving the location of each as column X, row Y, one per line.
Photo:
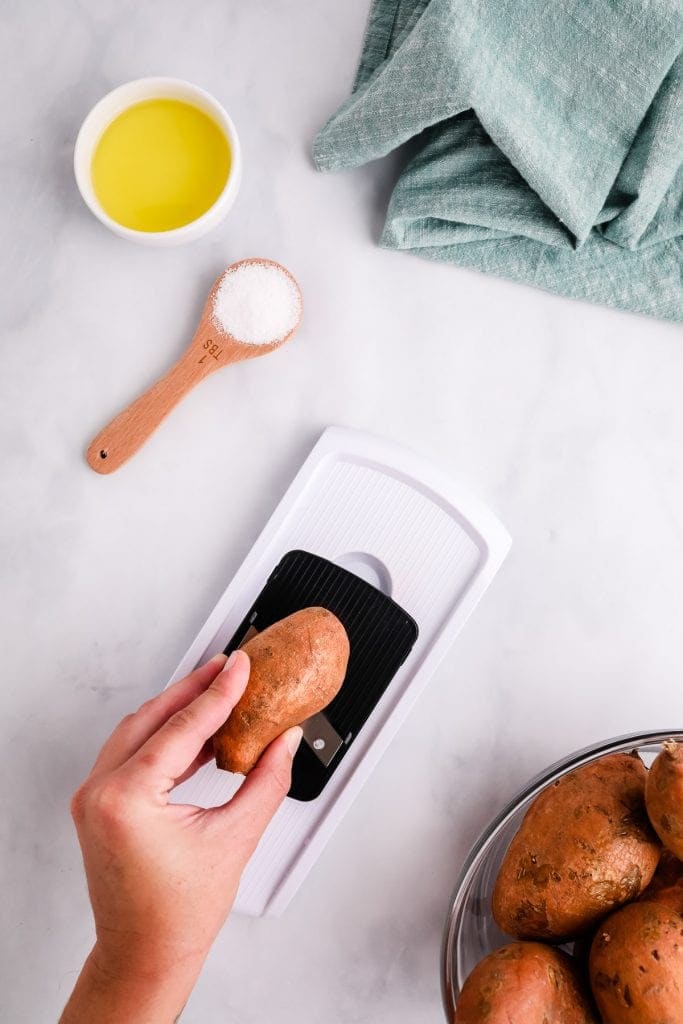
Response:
column 265, row 787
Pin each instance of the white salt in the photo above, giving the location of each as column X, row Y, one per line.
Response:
column 257, row 303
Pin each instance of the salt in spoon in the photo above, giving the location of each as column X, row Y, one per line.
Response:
column 232, row 308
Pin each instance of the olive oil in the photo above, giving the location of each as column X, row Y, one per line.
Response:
column 160, row 164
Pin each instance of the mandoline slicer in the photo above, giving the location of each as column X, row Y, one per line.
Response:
column 402, row 556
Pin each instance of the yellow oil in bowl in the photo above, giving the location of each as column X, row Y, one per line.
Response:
column 160, row 164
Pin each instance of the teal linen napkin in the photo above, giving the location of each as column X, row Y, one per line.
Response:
column 548, row 140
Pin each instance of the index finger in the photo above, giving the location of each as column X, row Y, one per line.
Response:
column 174, row 747
column 130, row 734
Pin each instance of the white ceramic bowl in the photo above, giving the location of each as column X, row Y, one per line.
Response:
column 109, row 107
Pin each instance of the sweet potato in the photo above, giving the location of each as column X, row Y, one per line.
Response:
column 525, row 983
column 585, row 846
column 664, row 796
column 667, row 884
column 297, row 667
column 636, row 964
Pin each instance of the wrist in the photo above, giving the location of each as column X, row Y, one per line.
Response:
column 120, row 961
column 111, row 989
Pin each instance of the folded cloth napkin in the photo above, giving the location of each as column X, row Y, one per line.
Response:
column 548, row 140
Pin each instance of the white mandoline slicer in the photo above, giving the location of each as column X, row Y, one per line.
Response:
column 392, row 525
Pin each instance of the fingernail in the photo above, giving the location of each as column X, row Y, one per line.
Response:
column 230, row 662
column 294, row 739
column 218, row 658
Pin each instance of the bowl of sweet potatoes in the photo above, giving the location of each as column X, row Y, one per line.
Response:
column 569, row 908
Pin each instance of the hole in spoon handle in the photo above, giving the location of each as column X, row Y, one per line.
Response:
column 128, row 431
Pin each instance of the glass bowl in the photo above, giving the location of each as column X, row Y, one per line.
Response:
column 470, row 932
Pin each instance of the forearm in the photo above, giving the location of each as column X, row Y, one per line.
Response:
column 107, row 995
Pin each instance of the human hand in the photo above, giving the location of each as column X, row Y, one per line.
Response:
column 162, row 877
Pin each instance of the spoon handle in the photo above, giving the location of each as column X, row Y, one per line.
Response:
column 128, row 431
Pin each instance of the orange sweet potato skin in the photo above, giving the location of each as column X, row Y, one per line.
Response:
column 664, row 796
column 524, row 983
column 636, row 964
column 667, row 884
column 585, row 847
column 297, row 667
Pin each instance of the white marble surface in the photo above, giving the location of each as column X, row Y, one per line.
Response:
column 566, row 418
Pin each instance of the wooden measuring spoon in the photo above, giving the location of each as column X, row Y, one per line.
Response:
column 210, row 348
